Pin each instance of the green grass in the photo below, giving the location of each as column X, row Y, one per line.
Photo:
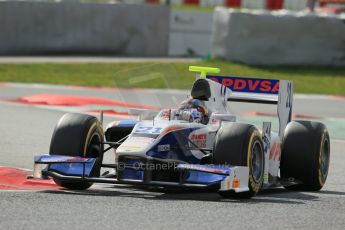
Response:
column 320, row 80
column 193, row 7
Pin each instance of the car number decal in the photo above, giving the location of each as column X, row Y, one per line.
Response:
column 153, row 130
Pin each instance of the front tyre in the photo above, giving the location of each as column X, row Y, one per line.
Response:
column 305, row 155
column 239, row 144
column 78, row 135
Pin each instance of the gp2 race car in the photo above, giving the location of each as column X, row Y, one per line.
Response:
column 174, row 150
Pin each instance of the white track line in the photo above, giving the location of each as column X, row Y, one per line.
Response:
column 24, row 169
column 163, row 91
column 338, row 140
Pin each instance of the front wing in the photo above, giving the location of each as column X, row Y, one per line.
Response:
column 77, row 169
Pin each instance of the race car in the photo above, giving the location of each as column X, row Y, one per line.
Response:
column 199, row 145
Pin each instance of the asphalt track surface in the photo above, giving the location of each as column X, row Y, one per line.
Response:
column 25, row 131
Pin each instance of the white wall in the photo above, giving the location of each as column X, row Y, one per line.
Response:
column 296, row 5
column 254, row 4
column 190, row 32
column 73, row 28
column 212, row 2
column 178, row 2
column 278, row 38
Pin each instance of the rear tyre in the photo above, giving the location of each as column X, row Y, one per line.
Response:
column 78, row 135
column 305, row 155
column 241, row 145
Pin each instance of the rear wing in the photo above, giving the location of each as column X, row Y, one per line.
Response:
column 264, row 91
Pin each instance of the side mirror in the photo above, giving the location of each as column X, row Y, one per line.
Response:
column 224, row 117
column 143, row 113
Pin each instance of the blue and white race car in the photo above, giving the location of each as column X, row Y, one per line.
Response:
column 198, row 145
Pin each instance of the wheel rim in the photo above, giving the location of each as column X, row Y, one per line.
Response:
column 257, row 161
column 94, row 147
column 325, row 158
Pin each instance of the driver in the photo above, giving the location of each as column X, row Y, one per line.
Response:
column 193, row 110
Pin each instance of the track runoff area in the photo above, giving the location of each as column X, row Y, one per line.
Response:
column 30, row 112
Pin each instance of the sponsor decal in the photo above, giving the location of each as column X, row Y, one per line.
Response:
column 289, row 100
column 199, row 139
column 266, row 139
column 207, row 168
column 227, row 183
column 275, row 152
column 163, row 148
column 135, row 143
column 127, row 148
column 79, row 159
column 145, row 140
column 236, row 183
column 249, row 85
column 50, row 159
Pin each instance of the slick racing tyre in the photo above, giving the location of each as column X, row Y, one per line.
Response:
column 305, row 155
column 78, row 135
column 241, row 145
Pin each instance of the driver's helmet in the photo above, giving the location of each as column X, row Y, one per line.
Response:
column 193, row 110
